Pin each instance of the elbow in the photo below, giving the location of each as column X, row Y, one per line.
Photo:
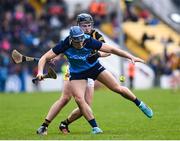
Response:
column 43, row 59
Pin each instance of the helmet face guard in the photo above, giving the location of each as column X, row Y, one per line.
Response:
column 78, row 42
column 80, row 38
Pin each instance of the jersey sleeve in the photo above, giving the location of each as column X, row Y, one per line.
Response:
column 99, row 37
column 95, row 44
column 61, row 47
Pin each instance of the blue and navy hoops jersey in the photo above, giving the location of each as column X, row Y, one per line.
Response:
column 77, row 57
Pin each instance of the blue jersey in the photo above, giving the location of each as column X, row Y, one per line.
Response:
column 77, row 58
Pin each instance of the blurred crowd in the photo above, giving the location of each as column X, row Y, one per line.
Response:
column 165, row 63
column 31, row 34
column 34, row 32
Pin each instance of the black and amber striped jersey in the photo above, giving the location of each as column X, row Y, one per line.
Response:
column 96, row 35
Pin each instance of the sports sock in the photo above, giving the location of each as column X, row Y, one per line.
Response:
column 137, row 102
column 67, row 122
column 46, row 123
column 93, row 123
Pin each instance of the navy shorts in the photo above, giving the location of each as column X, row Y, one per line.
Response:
column 90, row 73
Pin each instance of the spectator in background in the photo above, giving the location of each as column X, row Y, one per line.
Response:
column 98, row 9
column 175, row 80
column 4, row 62
column 58, row 13
column 131, row 74
column 5, row 44
column 148, row 18
column 144, row 14
column 22, row 76
column 115, row 24
column 129, row 14
column 170, row 40
column 151, row 20
column 78, row 9
column 156, row 64
column 146, row 37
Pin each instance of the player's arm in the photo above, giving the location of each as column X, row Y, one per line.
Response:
column 103, row 54
column 117, row 51
column 94, row 56
column 18, row 58
column 58, row 49
column 41, row 64
column 57, row 58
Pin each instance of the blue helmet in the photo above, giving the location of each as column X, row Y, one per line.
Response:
column 76, row 34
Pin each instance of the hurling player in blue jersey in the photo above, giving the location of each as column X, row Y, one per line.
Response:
column 85, row 21
column 77, row 47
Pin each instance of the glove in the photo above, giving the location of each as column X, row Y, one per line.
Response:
column 93, row 57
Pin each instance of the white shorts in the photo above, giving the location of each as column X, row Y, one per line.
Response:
column 90, row 82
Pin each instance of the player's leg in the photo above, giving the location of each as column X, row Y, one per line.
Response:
column 59, row 104
column 76, row 113
column 78, row 88
column 55, row 109
column 89, row 91
column 108, row 79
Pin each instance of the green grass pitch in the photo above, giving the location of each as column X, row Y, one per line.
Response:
column 21, row 114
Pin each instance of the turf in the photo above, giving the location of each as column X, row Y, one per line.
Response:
column 21, row 114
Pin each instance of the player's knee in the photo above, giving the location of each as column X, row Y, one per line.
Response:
column 79, row 99
column 123, row 90
column 120, row 89
column 65, row 99
column 116, row 88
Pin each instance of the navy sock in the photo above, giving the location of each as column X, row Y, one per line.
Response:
column 46, row 123
column 93, row 123
column 137, row 102
column 66, row 122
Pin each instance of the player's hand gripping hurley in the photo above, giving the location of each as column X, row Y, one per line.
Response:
column 51, row 74
column 20, row 58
